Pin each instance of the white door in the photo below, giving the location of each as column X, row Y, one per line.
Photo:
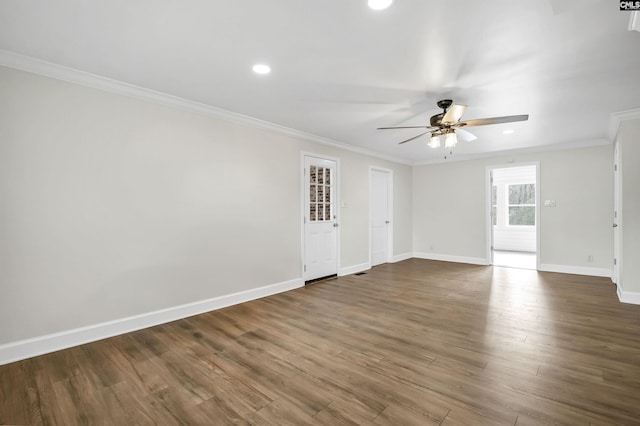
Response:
column 616, row 212
column 380, row 208
column 320, row 218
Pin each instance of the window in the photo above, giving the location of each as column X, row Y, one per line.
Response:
column 320, row 194
column 522, row 204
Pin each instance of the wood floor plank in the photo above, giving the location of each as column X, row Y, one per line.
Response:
column 415, row 342
column 345, row 413
column 283, row 412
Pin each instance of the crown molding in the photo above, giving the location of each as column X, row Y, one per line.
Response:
column 94, row 81
column 542, row 148
column 619, row 117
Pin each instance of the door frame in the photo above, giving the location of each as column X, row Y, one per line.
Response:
column 488, row 209
column 303, row 207
column 389, row 173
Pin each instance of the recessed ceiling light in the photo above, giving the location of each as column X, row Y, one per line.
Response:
column 507, row 132
column 261, row 69
column 379, row 4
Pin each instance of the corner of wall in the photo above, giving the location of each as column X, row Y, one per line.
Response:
column 628, row 296
column 354, row 269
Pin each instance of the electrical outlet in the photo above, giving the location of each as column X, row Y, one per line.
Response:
column 590, row 258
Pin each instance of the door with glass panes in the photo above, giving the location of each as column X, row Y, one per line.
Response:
column 320, row 219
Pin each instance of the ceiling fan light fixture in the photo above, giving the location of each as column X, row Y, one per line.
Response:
column 450, row 140
column 379, row 4
column 434, row 141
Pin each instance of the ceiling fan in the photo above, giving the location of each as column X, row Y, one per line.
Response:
column 447, row 122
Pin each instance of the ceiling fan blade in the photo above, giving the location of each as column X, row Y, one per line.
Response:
column 465, row 135
column 406, row 127
column 494, row 120
column 415, row 137
column 453, row 114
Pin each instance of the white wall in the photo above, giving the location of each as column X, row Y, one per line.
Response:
column 629, row 273
column 506, row 237
column 450, row 208
column 114, row 207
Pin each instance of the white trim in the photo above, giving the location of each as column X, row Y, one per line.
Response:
column 389, row 173
column 450, row 258
column 23, row 349
column 71, row 75
column 542, row 148
column 401, row 257
column 617, row 209
column 538, row 221
column 355, row 269
column 628, row 296
column 94, row 81
column 488, row 185
column 618, row 117
column 576, row 270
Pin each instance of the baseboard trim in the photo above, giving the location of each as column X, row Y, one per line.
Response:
column 450, row 258
column 354, row 269
column 401, row 257
column 628, row 296
column 576, row 270
column 23, row 349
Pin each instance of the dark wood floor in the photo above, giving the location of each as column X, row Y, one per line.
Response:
column 417, row 342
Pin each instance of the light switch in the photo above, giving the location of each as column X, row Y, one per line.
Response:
column 549, row 203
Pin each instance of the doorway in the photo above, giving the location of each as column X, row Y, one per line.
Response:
column 320, row 218
column 514, row 216
column 380, row 215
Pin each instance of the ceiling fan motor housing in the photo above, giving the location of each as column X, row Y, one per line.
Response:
column 436, row 120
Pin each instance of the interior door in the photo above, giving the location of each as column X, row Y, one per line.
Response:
column 380, row 216
column 616, row 210
column 320, row 219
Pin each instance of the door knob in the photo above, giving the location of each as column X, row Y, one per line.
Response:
column 615, row 225
column 335, row 225
column 386, row 221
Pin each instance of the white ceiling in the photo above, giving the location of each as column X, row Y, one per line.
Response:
column 340, row 69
